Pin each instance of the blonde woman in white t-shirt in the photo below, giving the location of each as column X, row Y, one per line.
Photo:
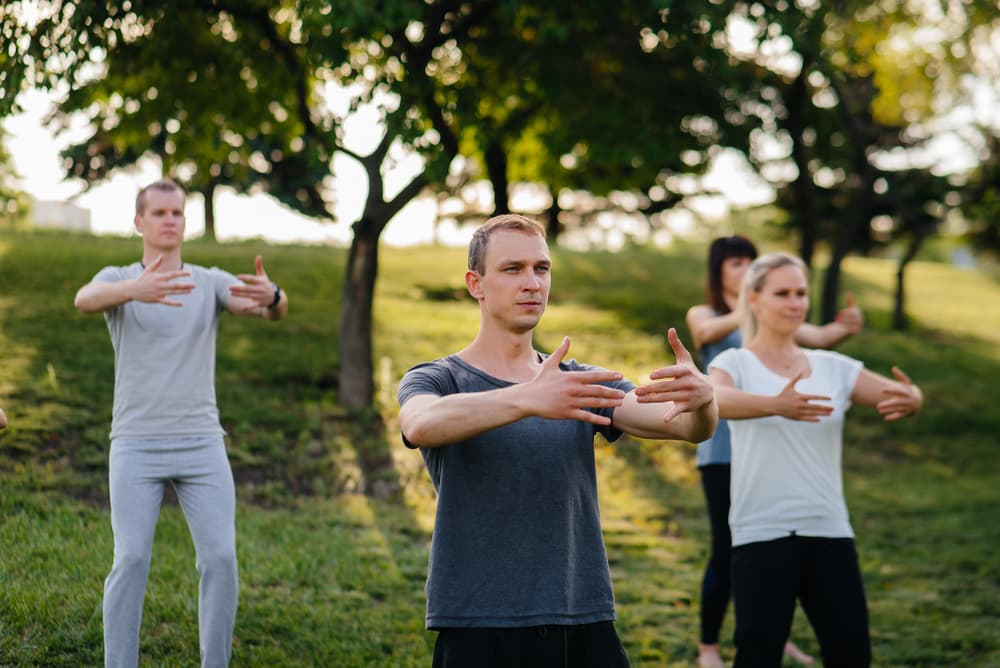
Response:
column 792, row 539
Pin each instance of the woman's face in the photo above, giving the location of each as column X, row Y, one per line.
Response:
column 782, row 303
column 733, row 270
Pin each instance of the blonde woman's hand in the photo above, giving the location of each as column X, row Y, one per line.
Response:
column 792, row 404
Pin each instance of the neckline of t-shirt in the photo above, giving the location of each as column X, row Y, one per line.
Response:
column 143, row 265
column 778, row 375
column 488, row 376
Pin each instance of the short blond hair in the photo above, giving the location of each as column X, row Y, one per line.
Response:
column 480, row 239
column 163, row 185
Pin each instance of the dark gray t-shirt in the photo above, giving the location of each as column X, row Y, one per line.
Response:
column 165, row 357
column 517, row 537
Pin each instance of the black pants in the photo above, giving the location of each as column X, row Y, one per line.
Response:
column 578, row 646
column 715, row 585
column 823, row 574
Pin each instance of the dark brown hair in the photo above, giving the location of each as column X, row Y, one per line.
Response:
column 720, row 250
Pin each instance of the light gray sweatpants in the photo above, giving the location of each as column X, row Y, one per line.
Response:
column 199, row 470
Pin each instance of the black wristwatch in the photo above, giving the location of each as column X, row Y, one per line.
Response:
column 277, row 297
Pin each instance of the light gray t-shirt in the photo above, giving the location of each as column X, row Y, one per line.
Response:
column 517, row 536
column 165, row 357
column 786, row 474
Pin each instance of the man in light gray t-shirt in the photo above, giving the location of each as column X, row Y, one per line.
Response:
column 518, row 573
column 163, row 315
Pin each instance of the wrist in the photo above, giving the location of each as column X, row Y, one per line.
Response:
column 277, row 297
column 129, row 289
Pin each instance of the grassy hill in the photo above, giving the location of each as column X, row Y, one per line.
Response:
column 335, row 515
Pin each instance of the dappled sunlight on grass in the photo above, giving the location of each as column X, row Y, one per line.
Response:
column 938, row 296
column 336, row 578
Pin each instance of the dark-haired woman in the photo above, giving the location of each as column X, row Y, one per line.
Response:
column 714, row 328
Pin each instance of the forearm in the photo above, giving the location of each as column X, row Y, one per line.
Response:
column 646, row 420
column 99, row 296
column 430, row 422
column 3, row 420
column 825, row 336
column 695, row 426
column 715, row 328
column 738, row 405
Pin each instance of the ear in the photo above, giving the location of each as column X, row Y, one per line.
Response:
column 137, row 221
column 473, row 283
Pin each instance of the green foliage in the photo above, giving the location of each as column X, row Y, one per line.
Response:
column 333, row 576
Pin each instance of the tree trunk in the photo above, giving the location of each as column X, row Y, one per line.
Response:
column 855, row 97
column 553, row 227
column 208, row 195
column 805, row 197
column 899, row 319
column 356, row 382
column 847, row 233
column 496, row 167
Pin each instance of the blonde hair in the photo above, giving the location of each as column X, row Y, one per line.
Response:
column 481, row 237
column 163, row 185
column 753, row 281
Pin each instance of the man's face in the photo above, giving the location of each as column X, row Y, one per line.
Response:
column 515, row 288
column 161, row 223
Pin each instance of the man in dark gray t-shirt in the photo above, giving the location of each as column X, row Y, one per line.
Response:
column 162, row 315
column 518, row 573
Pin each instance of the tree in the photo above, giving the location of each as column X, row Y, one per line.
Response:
column 642, row 102
column 981, row 202
column 215, row 112
column 398, row 57
column 852, row 84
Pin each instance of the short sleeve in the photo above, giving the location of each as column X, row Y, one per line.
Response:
column 608, row 431
column 221, row 280
column 847, row 369
column 109, row 275
column 729, row 361
column 427, row 378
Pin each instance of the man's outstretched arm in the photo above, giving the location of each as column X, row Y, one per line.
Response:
column 679, row 403
column 152, row 286
column 257, row 296
column 429, row 420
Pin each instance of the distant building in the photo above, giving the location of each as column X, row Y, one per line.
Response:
column 59, row 215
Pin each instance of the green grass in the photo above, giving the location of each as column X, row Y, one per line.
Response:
column 335, row 515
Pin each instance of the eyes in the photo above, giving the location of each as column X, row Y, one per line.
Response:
column 512, row 269
column 160, row 213
column 800, row 292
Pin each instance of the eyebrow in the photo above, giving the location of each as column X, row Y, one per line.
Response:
column 511, row 262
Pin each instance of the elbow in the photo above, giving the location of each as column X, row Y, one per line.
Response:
column 414, row 433
column 703, row 433
column 82, row 303
column 707, row 426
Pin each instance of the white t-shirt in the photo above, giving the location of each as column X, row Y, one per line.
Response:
column 786, row 474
